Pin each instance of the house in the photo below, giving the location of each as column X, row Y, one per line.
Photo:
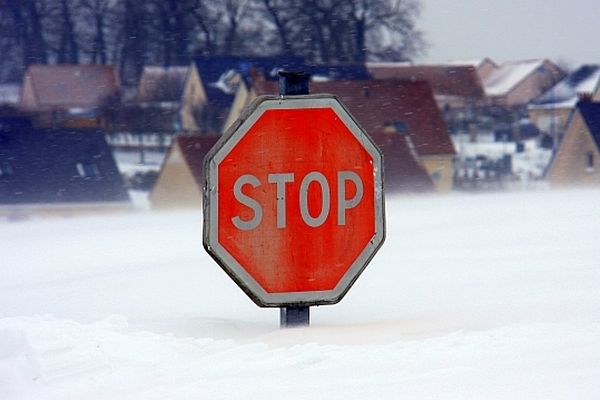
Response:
column 576, row 161
column 157, row 103
column 550, row 111
column 70, row 95
column 245, row 92
column 516, row 83
column 57, row 172
column 402, row 109
column 403, row 171
column 216, row 84
column 162, row 84
column 484, row 66
column 211, row 85
column 13, row 117
column 454, row 86
column 181, row 176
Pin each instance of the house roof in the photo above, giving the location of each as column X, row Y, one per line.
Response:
column 47, row 166
column 193, row 149
column 477, row 62
column 590, row 112
column 66, row 86
column 447, row 80
column 379, row 105
column 509, row 74
column 566, row 93
column 403, row 173
column 216, row 73
column 13, row 117
column 337, row 72
column 161, row 84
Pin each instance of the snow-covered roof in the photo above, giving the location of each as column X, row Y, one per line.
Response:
column 510, row 74
column 388, row 64
column 566, row 93
column 474, row 62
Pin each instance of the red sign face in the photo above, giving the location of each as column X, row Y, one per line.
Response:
column 294, row 209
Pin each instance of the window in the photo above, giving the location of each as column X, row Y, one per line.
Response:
column 589, row 161
column 396, row 127
column 88, row 170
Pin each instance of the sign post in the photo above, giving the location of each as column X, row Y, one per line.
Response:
column 294, row 84
column 293, row 200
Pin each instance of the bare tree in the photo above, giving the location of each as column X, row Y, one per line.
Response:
column 133, row 39
column 133, row 33
column 282, row 17
column 68, row 48
column 346, row 30
column 23, row 21
column 206, row 19
column 96, row 14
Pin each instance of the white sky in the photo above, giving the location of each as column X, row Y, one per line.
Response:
column 518, row 29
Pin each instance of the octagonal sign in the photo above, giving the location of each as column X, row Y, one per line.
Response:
column 293, row 201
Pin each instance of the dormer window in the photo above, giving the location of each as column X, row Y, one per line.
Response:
column 88, row 170
column 395, row 127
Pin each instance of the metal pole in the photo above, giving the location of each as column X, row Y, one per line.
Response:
column 294, row 84
column 290, row 317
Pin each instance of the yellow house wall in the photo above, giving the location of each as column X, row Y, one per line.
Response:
column 569, row 166
column 240, row 101
column 440, row 169
column 528, row 89
column 175, row 187
column 596, row 96
column 28, row 100
column 194, row 97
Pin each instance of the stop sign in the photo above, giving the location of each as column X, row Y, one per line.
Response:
column 293, row 201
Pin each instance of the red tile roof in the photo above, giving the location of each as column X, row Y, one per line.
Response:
column 447, row 80
column 193, row 149
column 380, row 104
column 402, row 171
column 70, row 86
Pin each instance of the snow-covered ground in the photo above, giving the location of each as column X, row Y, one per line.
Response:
column 471, row 297
column 526, row 165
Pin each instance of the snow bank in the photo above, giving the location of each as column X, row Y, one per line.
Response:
column 19, row 365
column 481, row 296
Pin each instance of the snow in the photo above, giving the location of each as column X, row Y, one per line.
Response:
column 129, row 162
column 508, row 75
column 472, row 296
column 10, row 93
column 565, row 94
column 472, row 62
column 531, row 163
